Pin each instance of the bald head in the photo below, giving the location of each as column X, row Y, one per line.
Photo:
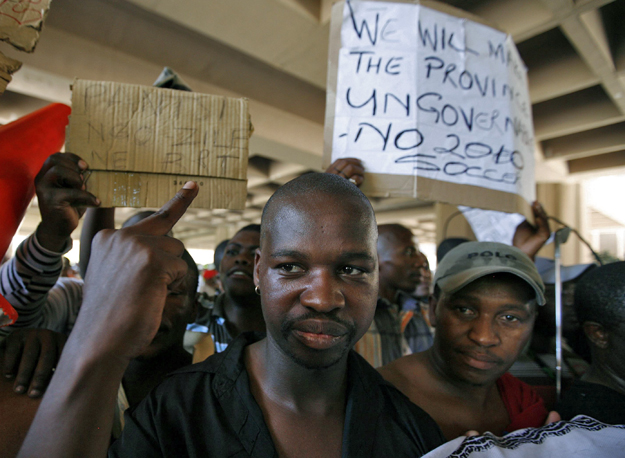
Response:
column 401, row 264
column 335, row 191
column 389, row 235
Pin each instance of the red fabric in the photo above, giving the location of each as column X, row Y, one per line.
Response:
column 8, row 315
column 25, row 144
column 208, row 274
column 525, row 407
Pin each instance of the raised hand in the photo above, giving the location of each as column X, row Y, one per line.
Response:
column 62, row 198
column 30, row 357
column 130, row 273
column 350, row 168
column 529, row 238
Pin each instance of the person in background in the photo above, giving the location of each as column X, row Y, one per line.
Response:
column 68, row 270
column 398, row 328
column 237, row 309
column 424, row 288
column 600, row 308
column 399, row 271
column 483, row 306
column 417, row 329
column 220, row 249
column 538, row 365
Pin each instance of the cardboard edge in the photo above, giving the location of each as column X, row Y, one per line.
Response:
column 447, row 9
column 128, row 189
column 386, row 185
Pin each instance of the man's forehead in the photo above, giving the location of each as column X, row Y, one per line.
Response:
column 318, row 215
column 491, row 287
column 393, row 239
column 245, row 237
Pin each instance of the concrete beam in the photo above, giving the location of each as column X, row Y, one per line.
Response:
column 583, row 110
column 603, row 140
column 615, row 160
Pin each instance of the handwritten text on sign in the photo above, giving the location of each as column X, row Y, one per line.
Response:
column 142, row 143
column 423, row 93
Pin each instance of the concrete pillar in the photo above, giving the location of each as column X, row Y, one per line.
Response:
column 567, row 203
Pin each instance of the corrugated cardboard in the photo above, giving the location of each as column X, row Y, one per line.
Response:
column 21, row 22
column 8, row 66
column 143, row 143
column 388, row 185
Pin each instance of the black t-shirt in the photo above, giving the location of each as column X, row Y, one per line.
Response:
column 594, row 400
column 207, row 410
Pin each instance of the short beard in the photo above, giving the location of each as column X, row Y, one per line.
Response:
column 316, row 367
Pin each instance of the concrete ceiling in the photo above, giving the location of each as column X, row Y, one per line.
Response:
column 274, row 52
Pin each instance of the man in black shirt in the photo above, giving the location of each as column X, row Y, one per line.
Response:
column 299, row 392
column 600, row 308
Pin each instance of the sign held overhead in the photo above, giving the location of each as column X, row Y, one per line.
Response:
column 142, row 144
column 436, row 106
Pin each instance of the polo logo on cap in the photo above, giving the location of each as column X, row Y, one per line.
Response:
column 490, row 254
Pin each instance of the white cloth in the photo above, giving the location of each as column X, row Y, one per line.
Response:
column 581, row 437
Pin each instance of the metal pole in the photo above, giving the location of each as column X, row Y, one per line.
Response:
column 561, row 237
column 558, row 320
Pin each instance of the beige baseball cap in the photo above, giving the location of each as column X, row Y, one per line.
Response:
column 473, row 260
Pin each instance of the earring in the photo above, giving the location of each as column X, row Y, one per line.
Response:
column 257, row 290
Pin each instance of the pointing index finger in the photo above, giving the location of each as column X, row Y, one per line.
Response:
column 161, row 222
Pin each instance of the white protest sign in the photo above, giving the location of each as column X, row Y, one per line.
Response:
column 426, row 94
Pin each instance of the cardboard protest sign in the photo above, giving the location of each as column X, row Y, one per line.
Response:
column 143, row 143
column 21, row 22
column 435, row 105
column 8, row 66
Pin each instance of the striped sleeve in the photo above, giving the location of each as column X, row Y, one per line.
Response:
column 26, row 279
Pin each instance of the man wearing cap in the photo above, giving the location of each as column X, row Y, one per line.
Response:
column 483, row 307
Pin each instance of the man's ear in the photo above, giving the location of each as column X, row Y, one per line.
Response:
column 257, row 267
column 432, row 310
column 596, row 333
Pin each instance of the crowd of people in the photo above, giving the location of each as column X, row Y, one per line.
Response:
column 325, row 335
